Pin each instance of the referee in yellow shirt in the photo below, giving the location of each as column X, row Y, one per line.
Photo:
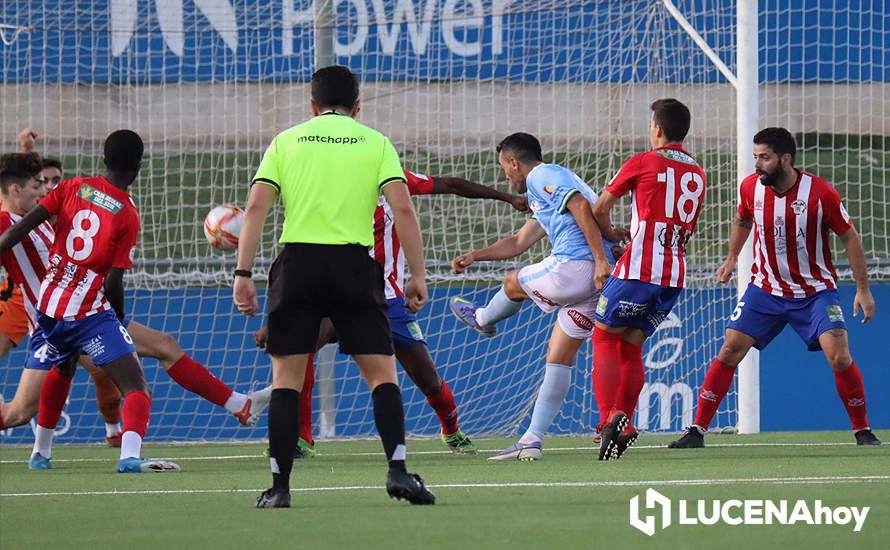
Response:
column 328, row 173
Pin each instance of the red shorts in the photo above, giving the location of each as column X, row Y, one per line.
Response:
column 13, row 318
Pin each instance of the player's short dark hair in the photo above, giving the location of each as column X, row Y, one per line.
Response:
column 52, row 163
column 780, row 141
column 123, row 151
column 18, row 168
column 524, row 147
column 673, row 117
column 334, row 86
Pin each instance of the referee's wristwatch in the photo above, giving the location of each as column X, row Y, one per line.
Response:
column 243, row 273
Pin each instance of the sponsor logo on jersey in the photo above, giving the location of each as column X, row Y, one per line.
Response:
column 678, row 156
column 344, row 140
column 798, row 207
column 100, row 199
column 583, row 321
column 835, row 313
column 549, row 189
column 758, row 205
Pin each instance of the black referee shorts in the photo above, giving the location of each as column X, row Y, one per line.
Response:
column 311, row 281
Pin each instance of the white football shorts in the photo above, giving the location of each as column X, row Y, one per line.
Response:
column 566, row 285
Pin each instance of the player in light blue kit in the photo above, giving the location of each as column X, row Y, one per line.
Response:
column 568, row 280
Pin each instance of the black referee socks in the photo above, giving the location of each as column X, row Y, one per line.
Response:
column 284, row 431
column 389, row 416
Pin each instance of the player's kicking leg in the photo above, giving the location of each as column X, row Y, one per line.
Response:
column 195, row 377
column 23, row 406
column 568, row 287
column 505, row 303
column 561, row 353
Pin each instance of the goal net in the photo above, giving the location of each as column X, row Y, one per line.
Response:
column 208, row 83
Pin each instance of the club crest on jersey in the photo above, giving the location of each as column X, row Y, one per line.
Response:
column 100, row 199
column 798, row 207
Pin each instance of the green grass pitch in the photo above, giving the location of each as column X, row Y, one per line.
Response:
column 567, row 500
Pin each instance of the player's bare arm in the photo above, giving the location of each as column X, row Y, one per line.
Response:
column 20, row 230
column 602, row 211
column 259, row 202
column 504, row 249
column 741, row 228
column 114, row 290
column 579, row 207
column 408, row 228
column 27, row 140
column 856, row 256
column 468, row 189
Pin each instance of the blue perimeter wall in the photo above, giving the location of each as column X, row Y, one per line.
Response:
column 797, row 387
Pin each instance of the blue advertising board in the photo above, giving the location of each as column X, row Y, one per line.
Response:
column 495, row 380
column 125, row 41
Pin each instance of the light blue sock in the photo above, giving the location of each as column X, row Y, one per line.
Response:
column 551, row 397
column 499, row 308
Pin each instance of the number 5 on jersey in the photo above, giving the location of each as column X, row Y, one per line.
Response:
column 686, row 205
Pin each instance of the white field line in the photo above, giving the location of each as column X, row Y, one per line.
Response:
column 444, row 452
column 573, row 484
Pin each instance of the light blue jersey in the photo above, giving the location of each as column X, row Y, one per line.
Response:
column 550, row 186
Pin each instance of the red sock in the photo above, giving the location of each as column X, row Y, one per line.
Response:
column 137, row 409
column 53, row 394
column 851, row 390
column 107, row 397
column 717, row 383
column 306, row 401
column 195, row 377
column 445, row 407
column 633, row 376
column 606, row 371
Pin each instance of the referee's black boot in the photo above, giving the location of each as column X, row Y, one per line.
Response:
column 274, row 498
column 402, row 485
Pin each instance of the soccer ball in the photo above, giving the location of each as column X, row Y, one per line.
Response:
column 223, row 225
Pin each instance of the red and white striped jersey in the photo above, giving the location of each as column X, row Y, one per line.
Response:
column 387, row 248
column 26, row 262
column 667, row 190
column 96, row 230
column 792, row 257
